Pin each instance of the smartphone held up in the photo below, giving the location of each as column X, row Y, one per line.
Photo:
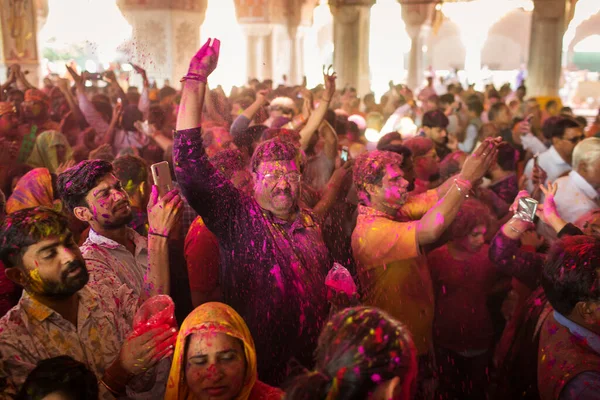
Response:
column 161, row 173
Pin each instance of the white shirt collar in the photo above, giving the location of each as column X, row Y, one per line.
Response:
column 583, row 185
column 96, row 238
column 556, row 158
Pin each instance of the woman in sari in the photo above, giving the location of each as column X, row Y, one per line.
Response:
column 215, row 358
column 50, row 151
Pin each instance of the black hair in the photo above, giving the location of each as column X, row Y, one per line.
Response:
column 556, row 127
column 435, row 119
column 387, row 139
column 494, row 111
column 75, row 183
column 475, row 105
column 447, row 98
column 404, row 151
column 582, row 121
column 165, row 92
column 27, row 227
column 570, row 274
column 132, row 171
column 131, row 114
column 277, row 149
column 358, row 349
column 550, row 104
column 60, row 374
column 507, row 157
column 566, row 110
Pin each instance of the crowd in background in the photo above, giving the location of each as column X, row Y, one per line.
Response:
column 290, row 256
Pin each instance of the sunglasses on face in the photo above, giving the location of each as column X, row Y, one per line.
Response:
column 575, row 139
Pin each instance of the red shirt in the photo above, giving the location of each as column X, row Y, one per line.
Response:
column 462, row 321
column 202, row 257
column 9, row 292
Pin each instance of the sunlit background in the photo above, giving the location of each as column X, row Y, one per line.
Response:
column 94, row 33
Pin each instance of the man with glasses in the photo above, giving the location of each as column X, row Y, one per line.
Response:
column 564, row 133
column 273, row 258
column 578, row 192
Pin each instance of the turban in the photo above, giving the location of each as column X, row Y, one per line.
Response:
column 6, row 108
column 36, row 95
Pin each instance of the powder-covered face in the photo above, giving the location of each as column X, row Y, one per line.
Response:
column 215, row 366
column 438, row 135
column 277, row 186
column 393, row 190
column 34, row 109
column 108, row 204
column 427, row 166
column 474, row 241
column 8, row 123
column 54, row 267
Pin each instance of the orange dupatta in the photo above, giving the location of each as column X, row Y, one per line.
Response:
column 214, row 318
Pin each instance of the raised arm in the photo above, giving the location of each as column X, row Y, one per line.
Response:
column 437, row 219
column 110, row 78
column 91, row 115
column 144, row 103
column 210, row 194
column 12, row 78
column 65, row 89
column 319, row 114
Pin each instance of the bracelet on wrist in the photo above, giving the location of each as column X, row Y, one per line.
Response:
column 463, row 191
column 194, row 77
column 158, row 234
column 512, row 228
column 111, row 390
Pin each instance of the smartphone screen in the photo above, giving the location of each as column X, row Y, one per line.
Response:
column 161, row 174
column 344, row 155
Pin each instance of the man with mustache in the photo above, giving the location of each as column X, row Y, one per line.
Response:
column 273, row 258
column 113, row 251
column 61, row 314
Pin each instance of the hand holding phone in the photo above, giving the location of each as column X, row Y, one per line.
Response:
column 161, row 173
column 345, row 154
column 526, row 209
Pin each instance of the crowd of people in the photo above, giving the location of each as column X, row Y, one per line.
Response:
column 285, row 256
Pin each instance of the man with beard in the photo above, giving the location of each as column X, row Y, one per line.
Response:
column 60, row 314
column 273, row 258
column 113, row 251
column 391, row 267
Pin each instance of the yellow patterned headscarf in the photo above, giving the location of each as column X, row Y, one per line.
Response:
column 213, row 318
column 44, row 151
column 33, row 189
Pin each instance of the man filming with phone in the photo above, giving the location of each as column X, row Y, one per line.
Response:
column 113, row 251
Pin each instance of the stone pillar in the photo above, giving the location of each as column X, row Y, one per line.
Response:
column 351, row 19
column 166, row 34
column 417, row 18
column 275, row 32
column 20, row 22
column 259, row 55
column 545, row 49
